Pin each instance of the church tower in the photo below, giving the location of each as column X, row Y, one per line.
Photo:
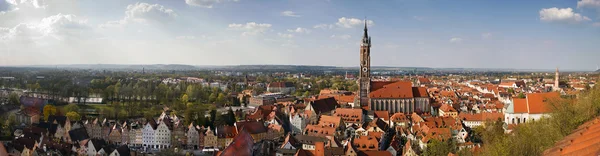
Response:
column 556, row 84
column 365, row 69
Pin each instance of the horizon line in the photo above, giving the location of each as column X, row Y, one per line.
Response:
column 385, row 66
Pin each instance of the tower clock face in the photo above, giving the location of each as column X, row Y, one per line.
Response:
column 364, row 69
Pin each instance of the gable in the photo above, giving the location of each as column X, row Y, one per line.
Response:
column 288, row 145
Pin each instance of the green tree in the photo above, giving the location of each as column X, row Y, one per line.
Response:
column 521, row 95
column 13, row 99
column 71, row 108
column 188, row 115
column 212, row 98
column 306, row 94
column 436, row 147
column 184, row 99
column 73, row 116
column 221, row 98
column 49, row 110
column 510, row 90
column 533, row 137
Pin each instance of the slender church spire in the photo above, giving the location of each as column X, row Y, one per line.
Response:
column 366, row 40
column 366, row 35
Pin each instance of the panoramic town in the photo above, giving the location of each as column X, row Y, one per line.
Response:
column 294, row 110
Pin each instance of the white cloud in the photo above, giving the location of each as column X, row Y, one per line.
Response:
column 486, row 35
column 352, row 22
column 588, row 4
column 251, row 28
column 323, row 26
column 561, row 15
column 54, row 28
column 289, row 14
column 32, row 3
column 299, row 30
column 202, row 3
column 456, row 40
column 597, row 24
column 144, row 13
column 7, row 6
column 205, row 3
column 285, row 35
column 343, row 37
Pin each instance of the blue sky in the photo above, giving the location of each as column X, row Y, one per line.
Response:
column 534, row 34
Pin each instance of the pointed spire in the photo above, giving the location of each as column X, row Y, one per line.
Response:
column 365, row 35
column 365, row 23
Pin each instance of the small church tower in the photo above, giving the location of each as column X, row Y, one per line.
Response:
column 556, row 83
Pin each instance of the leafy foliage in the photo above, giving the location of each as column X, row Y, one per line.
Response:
column 73, row 116
column 534, row 137
column 49, row 110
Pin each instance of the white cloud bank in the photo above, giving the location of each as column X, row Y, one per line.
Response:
column 456, row 40
column 352, row 22
column 289, row 14
column 299, row 30
column 205, row 3
column 143, row 13
column 564, row 15
column 588, row 4
column 251, row 28
column 54, row 28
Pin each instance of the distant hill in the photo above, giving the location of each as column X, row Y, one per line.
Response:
column 122, row 66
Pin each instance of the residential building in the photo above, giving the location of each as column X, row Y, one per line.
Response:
column 298, row 122
column 281, row 87
column 225, row 135
column 192, row 137
column 210, row 139
column 533, row 107
column 148, row 134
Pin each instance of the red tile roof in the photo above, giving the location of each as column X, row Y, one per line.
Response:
column 318, row 130
column 520, row 105
column 537, row 101
column 375, row 85
column 423, row 80
column 447, row 108
column 399, row 89
column 584, row 141
column 349, row 115
column 385, row 115
column 399, row 117
column 366, row 143
column 241, row 145
column 420, row 92
column 330, row 121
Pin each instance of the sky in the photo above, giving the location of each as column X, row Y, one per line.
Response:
column 532, row 34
